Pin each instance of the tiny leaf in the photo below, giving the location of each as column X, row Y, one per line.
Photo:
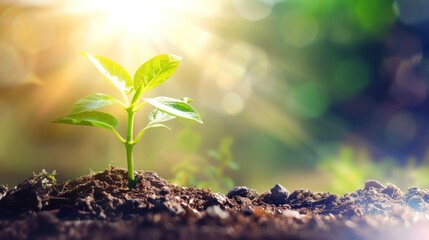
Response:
column 156, row 71
column 232, row 165
column 156, row 117
column 175, row 107
column 93, row 102
column 214, row 154
column 187, row 100
column 113, row 71
column 91, row 118
column 159, row 116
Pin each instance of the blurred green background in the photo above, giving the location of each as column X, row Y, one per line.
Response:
column 318, row 94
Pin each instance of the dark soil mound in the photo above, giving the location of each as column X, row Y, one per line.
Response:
column 100, row 206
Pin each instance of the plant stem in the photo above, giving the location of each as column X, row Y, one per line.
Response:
column 131, row 180
column 129, row 145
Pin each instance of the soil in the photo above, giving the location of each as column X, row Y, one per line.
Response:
column 100, row 206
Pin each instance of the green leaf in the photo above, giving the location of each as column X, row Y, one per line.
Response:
column 92, row 118
column 156, row 117
column 114, row 72
column 93, row 102
column 214, row 154
column 175, row 107
column 232, row 165
column 156, row 71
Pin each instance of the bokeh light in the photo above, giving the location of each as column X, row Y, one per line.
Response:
column 254, row 10
column 308, row 100
column 232, row 103
column 299, row 29
column 401, row 129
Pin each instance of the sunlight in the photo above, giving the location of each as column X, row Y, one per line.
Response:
column 141, row 28
column 133, row 15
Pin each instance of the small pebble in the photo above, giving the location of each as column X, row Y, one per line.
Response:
column 242, row 191
column 164, row 190
column 373, row 184
column 215, row 199
column 279, row 194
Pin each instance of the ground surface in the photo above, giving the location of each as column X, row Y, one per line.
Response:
column 100, row 206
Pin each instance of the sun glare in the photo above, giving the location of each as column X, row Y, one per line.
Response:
column 133, row 15
column 143, row 26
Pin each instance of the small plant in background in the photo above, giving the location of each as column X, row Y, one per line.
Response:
column 209, row 171
column 352, row 166
column 222, row 161
column 347, row 170
column 46, row 179
column 149, row 75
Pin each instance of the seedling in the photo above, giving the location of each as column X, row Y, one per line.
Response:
column 149, row 75
column 46, row 179
column 211, row 171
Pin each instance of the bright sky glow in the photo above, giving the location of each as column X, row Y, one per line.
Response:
column 130, row 14
column 147, row 27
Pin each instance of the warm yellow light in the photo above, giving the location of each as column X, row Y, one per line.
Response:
column 148, row 15
column 141, row 27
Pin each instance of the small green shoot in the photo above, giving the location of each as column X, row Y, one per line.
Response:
column 46, row 179
column 205, row 172
column 149, row 75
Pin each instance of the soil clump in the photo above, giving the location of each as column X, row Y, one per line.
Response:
column 100, row 206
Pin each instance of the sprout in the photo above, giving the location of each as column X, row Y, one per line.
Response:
column 149, row 75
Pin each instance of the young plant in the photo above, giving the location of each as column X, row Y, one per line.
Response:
column 149, row 75
column 198, row 170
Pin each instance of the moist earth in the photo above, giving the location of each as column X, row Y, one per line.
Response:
column 100, row 206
